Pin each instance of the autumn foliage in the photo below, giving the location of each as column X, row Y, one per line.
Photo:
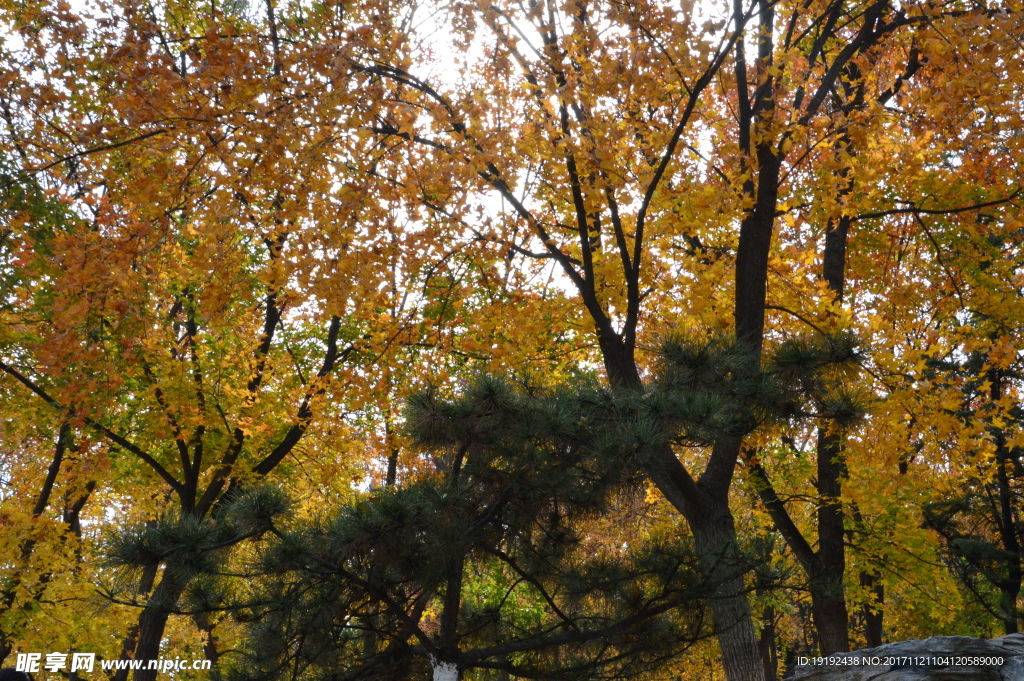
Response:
column 762, row 260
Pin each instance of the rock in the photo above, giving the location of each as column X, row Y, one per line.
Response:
column 939, row 658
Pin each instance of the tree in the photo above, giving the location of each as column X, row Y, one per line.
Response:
column 489, row 563
column 977, row 516
column 651, row 153
column 181, row 312
column 519, row 473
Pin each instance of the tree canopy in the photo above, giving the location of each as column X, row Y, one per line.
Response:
column 751, row 272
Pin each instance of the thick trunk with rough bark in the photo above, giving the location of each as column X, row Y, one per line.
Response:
column 714, row 536
column 153, row 621
column 828, row 608
column 826, row 581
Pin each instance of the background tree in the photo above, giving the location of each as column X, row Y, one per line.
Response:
column 977, row 516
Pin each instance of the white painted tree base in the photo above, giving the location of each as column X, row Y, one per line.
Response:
column 445, row 671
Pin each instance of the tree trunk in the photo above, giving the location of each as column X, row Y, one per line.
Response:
column 714, row 536
column 873, row 615
column 131, row 639
column 715, row 541
column 768, row 650
column 826, row 582
column 211, row 647
column 830, row 616
column 153, row 621
column 1007, row 522
column 10, row 592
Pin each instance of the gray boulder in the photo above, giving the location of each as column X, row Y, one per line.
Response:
column 939, row 658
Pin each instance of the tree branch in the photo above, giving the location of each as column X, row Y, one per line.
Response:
column 99, row 427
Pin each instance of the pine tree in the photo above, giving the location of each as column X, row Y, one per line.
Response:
column 490, row 562
column 486, row 563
